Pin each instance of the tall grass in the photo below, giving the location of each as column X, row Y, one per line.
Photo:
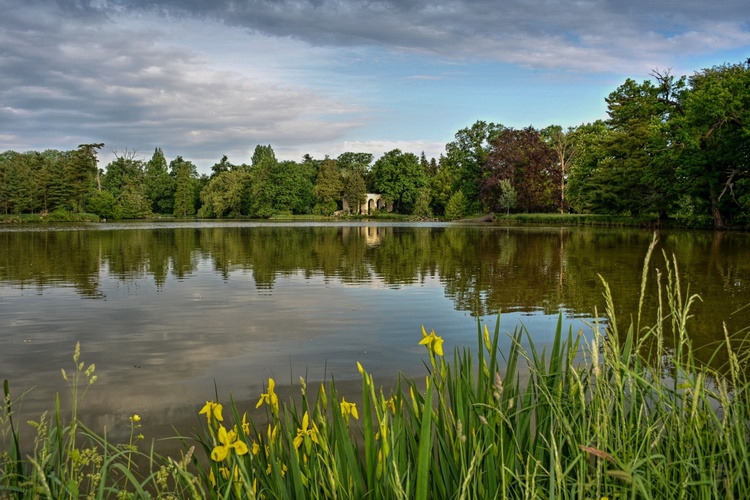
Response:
column 611, row 414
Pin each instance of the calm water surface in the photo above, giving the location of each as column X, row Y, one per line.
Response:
column 167, row 310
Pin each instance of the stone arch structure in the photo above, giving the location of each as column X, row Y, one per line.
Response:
column 373, row 202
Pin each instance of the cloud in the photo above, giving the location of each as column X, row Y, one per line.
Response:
column 202, row 79
column 74, row 82
column 581, row 35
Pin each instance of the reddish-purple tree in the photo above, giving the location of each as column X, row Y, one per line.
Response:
column 523, row 158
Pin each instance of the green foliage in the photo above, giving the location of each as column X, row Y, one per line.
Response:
column 16, row 183
column 104, row 205
column 585, row 187
column 354, row 191
column 329, row 188
column 508, row 196
column 224, row 194
column 466, row 156
column 456, row 207
column 354, row 163
column 422, row 205
column 564, row 147
column 124, row 179
column 715, row 141
column 185, row 177
column 159, row 184
column 280, row 187
column 441, row 186
column 398, row 177
column 81, row 172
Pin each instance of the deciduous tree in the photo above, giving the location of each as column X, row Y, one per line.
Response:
column 715, row 135
column 466, row 157
column 398, row 177
column 523, row 158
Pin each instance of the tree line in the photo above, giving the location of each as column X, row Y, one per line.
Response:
column 670, row 147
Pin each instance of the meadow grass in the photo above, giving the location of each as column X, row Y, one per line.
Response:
column 614, row 413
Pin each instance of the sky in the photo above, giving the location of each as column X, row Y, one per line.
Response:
column 207, row 78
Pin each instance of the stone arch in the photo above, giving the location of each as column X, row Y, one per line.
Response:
column 373, row 202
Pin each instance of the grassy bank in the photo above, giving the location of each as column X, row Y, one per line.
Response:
column 617, row 414
column 57, row 216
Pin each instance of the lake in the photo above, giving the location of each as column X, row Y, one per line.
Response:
column 169, row 311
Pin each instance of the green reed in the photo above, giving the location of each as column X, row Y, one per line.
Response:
column 611, row 414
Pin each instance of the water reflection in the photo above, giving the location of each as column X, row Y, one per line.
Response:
column 178, row 305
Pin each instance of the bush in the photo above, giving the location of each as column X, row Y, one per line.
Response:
column 456, row 206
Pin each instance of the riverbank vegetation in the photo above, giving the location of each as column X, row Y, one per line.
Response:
column 622, row 412
column 672, row 149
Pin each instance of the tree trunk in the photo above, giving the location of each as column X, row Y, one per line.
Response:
column 719, row 222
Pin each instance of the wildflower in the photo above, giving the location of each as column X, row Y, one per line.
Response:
column 270, row 398
column 212, row 410
column 229, row 441
column 273, row 431
column 360, row 369
column 388, row 404
column 348, row 409
column 135, row 418
column 433, row 342
column 283, row 468
column 487, row 341
column 226, row 474
column 305, row 431
column 323, row 396
column 245, row 425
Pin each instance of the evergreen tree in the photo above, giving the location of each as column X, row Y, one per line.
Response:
column 328, row 188
column 456, row 207
column 354, row 191
column 82, row 171
column 185, row 175
column 160, row 186
column 16, row 183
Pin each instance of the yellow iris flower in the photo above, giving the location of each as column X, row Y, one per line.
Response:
column 348, row 409
column 306, row 431
column 433, row 342
column 270, row 397
column 211, row 409
column 229, row 442
column 245, row 424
